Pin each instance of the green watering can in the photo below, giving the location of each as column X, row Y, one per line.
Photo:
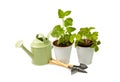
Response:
column 40, row 50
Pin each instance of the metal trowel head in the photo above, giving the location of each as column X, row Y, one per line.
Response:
column 76, row 69
column 83, row 66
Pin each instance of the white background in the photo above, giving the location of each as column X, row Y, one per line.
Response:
column 23, row 19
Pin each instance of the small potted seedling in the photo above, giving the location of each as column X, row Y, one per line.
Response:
column 64, row 36
column 86, row 43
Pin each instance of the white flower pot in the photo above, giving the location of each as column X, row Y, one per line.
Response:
column 85, row 54
column 62, row 53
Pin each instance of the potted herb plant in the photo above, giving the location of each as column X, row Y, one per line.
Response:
column 86, row 43
column 64, row 36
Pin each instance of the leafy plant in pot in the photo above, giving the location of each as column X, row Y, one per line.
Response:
column 86, row 43
column 64, row 37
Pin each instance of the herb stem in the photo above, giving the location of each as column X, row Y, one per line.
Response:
column 63, row 22
column 63, row 25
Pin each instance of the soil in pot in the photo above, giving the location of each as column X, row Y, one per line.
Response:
column 85, row 43
column 66, row 44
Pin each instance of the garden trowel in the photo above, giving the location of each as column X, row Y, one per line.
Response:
column 74, row 68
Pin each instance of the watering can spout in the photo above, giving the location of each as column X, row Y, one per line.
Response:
column 19, row 44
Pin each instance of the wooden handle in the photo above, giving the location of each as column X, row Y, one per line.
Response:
column 56, row 62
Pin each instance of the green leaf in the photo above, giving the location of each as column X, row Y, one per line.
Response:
column 96, row 48
column 84, row 31
column 61, row 40
column 93, row 45
column 61, row 13
column 94, row 35
column 72, row 38
column 74, row 35
column 67, row 13
column 98, row 43
column 57, row 31
column 66, row 37
column 78, row 37
column 90, row 28
column 68, row 22
column 70, row 29
column 76, row 43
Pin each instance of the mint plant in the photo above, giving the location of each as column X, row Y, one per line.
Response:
column 86, row 38
column 63, row 33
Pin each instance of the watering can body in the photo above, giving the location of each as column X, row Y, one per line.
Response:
column 40, row 50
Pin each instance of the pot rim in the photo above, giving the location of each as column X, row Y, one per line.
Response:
column 61, row 46
column 83, row 47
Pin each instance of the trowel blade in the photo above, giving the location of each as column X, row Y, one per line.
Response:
column 73, row 71
column 83, row 66
column 82, row 71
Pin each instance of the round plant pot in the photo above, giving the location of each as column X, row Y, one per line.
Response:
column 62, row 53
column 85, row 54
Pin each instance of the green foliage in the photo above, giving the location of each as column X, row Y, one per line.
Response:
column 62, row 14
column 70, row 29
column 68, row 22
column 72, row 38
column 57, row 31
column 87, row 38
column 67, row 13
column 63, row 32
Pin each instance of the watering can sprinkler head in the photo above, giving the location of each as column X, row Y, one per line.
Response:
column 19, row 44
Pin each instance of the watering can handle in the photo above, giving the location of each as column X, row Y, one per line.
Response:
column 42, row 36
